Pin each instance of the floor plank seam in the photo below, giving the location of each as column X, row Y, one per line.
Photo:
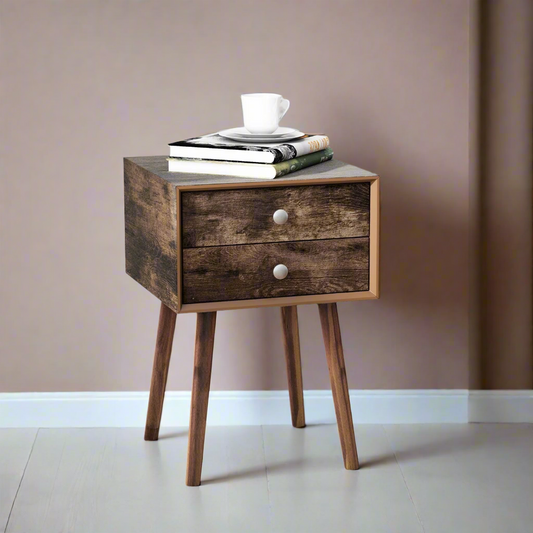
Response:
column 404, row 480
column 51, row 495
column 21, row 480
column 266, row 474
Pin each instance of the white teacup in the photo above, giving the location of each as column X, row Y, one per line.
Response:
column 263, row 111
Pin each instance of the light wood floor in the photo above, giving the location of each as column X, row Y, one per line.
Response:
column 426, row 478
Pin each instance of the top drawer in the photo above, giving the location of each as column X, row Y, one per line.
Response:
column 245, row 216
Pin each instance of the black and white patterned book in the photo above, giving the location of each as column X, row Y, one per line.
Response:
column 215, row 147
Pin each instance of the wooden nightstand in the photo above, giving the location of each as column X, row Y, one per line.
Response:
column 205, row 243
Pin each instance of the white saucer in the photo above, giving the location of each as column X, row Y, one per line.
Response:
column 242, row 134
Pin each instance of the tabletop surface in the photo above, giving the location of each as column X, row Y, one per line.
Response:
column 158, row 165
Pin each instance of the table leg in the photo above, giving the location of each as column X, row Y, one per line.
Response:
column 331, row 331
column 291, row 343
column 203, row 358
column 163, row 350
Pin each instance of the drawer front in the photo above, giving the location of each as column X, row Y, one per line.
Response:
column 245, row 216
column 224, row 273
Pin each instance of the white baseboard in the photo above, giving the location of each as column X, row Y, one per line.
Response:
column 501, row 406
column 128, row 409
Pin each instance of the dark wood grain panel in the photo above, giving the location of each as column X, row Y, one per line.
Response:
column 245, row 272
column 150, row 217
column 224, row 217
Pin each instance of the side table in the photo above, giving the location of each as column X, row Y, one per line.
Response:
column 203, row 243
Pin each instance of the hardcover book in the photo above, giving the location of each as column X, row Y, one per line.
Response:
column 248, row 170
column 218, row 148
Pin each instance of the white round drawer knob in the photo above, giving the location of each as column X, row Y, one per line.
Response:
column 280, row 271
column 280, row 217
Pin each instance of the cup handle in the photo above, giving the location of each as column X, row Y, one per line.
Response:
column 283, row 107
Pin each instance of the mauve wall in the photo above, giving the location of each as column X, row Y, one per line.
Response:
column 86, row 83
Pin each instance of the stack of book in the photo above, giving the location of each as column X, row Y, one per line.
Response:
column 214, row 154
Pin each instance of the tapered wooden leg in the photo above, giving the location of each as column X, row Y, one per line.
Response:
column 163, row 349
column 291, row 342
column 339, row 384
column 203, row 358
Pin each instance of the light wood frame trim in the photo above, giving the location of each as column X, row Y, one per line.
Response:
column 371, row 294
column 375, row 234
column 278, row 302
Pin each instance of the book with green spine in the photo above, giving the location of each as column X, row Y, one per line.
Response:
column 248, row 170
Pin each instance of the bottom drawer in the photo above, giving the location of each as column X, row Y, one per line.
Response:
column 242, row 272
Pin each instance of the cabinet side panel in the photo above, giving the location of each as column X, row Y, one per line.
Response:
column 150, row 217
